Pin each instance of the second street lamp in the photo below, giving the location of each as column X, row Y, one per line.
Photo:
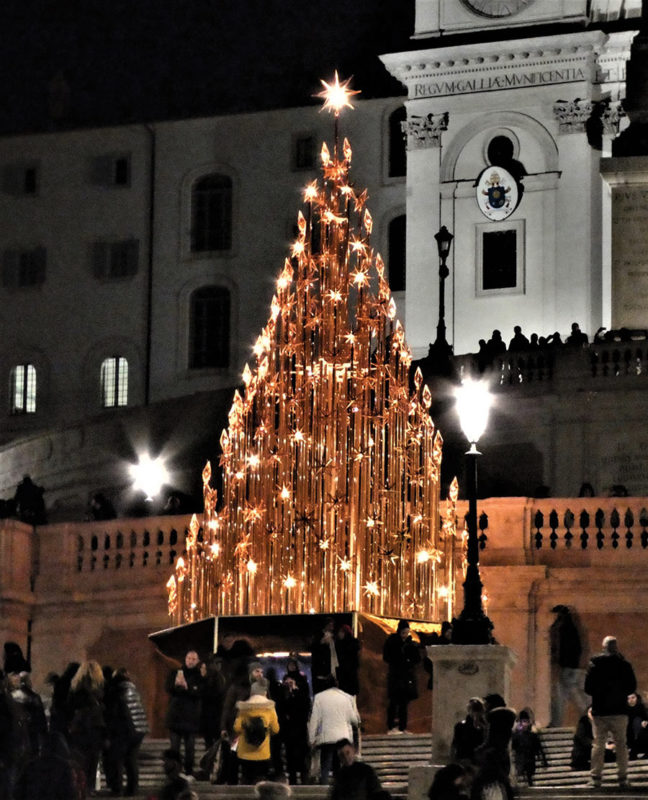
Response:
column 472, row 626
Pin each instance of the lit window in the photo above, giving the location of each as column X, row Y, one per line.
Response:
column 23, row 389
column 396, row 254
column 211, row 214
column 209, row 344
column 114, row 382
column 397, row 149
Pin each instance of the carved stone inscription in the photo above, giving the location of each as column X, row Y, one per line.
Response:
column 625, row 463
column 630, row 256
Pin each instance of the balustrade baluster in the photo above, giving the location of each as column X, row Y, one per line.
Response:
column 629, row 524
column 615, row 521
column 553, row 524
column 599, row 521
column 584, row 521
column 538, row 521
column 568, row 521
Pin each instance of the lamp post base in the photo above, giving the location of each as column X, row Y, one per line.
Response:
column 472, row 630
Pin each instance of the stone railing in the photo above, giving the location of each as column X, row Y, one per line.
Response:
column 579, row 531
column 125, row 554
column 599, row 361
column 118, row 553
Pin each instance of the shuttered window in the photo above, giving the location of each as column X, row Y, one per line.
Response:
column 24, row 268
column 115, row 260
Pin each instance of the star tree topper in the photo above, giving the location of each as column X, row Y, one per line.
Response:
column 336, row 95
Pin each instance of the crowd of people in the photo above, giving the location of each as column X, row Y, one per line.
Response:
column 276, row 731
column 496, row 347
column 51, row 745
column 615, row 727
column 260, row 726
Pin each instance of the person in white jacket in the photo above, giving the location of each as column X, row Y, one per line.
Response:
column 333, row 717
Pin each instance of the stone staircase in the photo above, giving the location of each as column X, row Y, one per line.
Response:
column 557, row 743
column 392, row 756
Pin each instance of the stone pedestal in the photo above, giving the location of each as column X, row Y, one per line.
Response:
column 462, row 672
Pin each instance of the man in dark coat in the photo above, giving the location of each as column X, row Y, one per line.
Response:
column 354, row 780
column 609, row 681
column 402, row 655
column 566, row 651
column 183, row 715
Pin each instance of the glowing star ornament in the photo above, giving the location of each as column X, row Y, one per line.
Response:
column 336, row 95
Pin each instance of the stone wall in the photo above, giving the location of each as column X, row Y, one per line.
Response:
column 96, row 590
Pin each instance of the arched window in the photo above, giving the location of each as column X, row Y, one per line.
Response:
column 396, row 254
column 209, row 342
column 211, row 214
column 397, row 149
column 114, row 382
column 23, row 389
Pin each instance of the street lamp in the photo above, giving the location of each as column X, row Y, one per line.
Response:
column 440, row 353
column 149, row 476
column 444, row 242
column 472, row 626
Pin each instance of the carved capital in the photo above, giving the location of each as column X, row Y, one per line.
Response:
column 421, row 132
column 572, row 114
column 611, row 115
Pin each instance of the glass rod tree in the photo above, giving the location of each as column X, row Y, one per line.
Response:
column 330, row 498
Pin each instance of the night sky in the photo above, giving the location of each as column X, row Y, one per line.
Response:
column 115, row 61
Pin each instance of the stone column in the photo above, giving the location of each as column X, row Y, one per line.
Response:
column 423, row 135
column 460, row 672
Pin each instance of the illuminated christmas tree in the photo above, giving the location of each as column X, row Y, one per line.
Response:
column 330, row 463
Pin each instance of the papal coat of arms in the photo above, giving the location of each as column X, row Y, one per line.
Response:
column 497, row 193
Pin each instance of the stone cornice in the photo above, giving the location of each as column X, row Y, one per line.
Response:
column 493, row 66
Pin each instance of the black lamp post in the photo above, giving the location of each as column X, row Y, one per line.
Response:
column 439, row 361
column 472, row 626
column 444, row 242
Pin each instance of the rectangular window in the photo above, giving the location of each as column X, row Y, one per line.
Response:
column 303, row 151
column 21, row 179
column 111, row 169
column 114, row 382
column 115, row 260
column 23, row 385
column 500, row 258
column 23, row 269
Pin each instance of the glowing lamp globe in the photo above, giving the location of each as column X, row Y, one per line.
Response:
column 473, row 405
column 149, row 475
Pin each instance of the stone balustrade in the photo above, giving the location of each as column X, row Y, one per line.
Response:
column 591, row 364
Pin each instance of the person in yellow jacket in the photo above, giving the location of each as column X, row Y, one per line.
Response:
column 256, row 721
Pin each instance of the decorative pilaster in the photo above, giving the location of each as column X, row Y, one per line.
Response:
column 424, row 132
column 572, row 115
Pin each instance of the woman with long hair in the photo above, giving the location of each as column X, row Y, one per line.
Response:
column 87, row 730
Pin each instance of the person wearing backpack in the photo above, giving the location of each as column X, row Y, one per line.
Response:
column 256, row 721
